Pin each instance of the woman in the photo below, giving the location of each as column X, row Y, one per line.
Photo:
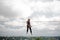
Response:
column 29, row 26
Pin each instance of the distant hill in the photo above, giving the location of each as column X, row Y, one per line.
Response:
column 29, row 38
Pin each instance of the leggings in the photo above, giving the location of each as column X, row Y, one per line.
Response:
column 30, row 29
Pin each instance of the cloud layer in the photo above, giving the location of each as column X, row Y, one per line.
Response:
column 44, row 14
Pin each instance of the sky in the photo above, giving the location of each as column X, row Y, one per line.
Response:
column 44, row 15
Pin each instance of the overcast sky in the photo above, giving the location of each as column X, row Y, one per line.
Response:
column 14, row 13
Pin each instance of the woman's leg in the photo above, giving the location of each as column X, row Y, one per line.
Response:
column 30, row 30
column 27, row 29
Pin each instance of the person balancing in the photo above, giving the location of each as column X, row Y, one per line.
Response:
column 29, row 26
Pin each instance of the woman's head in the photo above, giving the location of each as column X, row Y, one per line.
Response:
column 28, row 19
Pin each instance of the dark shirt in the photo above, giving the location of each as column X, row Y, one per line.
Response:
column 28, row 24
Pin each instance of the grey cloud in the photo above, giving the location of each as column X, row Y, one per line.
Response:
column 58, row 0
column 54, row 23
column 13, row 27
column 3, row 23
column 46, row 0
column 58, row 27
column 42, row 0
column 49, row 13
column 36, row 14
column 6, row 11
column 44, row 32
column 57, row 24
